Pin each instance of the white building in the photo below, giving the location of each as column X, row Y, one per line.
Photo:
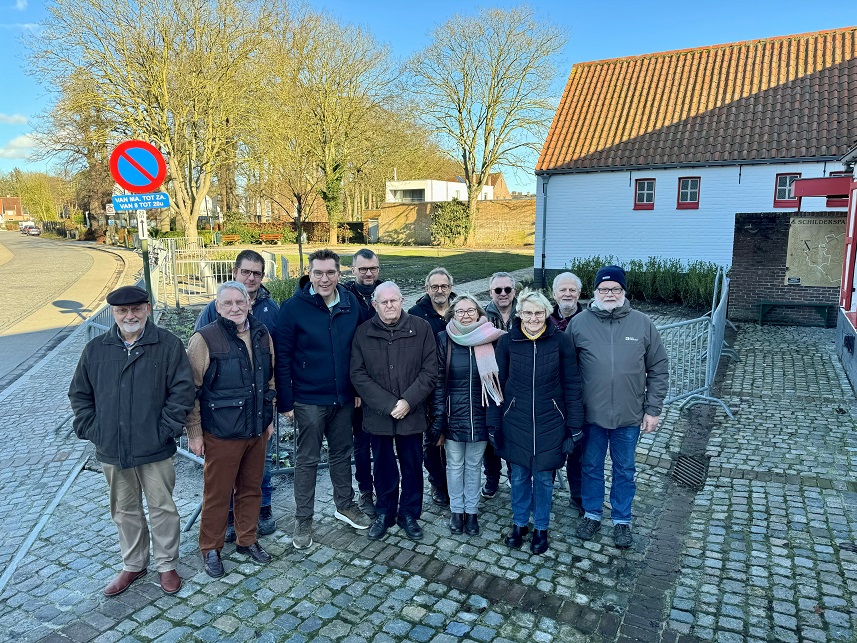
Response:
column 654, row 155
column 430, row 191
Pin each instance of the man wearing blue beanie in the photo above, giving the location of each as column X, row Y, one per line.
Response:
column 624, row 370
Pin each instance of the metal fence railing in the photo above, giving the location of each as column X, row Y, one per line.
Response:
column 695, row 347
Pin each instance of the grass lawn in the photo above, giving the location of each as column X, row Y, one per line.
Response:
column 408, row 265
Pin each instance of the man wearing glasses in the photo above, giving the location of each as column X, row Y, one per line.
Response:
column 624, row 369
column 365, row 266
column 501, row 309
column 250, row 270
column 313, row 350
column 432, row 307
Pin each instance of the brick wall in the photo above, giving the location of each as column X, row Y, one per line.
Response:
column 499, row 223
column 759, row 272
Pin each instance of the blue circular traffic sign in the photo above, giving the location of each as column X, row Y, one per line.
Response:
column 138, row 166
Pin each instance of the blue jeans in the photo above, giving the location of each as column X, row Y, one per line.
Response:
column 463, row 475
column 623, row 444
column 531, row 491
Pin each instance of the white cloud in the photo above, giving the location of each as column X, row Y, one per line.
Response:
column 19, row 147
column 12, row 119
column 20, row 5
column 19, row 26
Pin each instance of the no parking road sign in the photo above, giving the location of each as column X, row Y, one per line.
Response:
column 138, row 166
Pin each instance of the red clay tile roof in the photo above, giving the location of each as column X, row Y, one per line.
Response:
column 791, row 97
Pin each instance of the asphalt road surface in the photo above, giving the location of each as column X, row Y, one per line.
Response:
column 47, row 288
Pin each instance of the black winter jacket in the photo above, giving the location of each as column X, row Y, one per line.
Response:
column 423, row 308
column 234, row 399
column 457, row 412
column 313, row 346
column 365, row 301
column 541, row 397
column 132, row 404
column 389, row 363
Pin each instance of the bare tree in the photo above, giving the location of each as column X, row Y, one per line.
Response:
column 168, row 71
column 484, row 87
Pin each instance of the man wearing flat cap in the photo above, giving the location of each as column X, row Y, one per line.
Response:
column 623, row 367
column 131, row 393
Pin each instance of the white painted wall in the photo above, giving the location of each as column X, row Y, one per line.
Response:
column 593, row 213
column 436, row 190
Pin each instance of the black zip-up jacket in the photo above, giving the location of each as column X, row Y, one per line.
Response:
column 365, row 301
column 423, row 308
column 234, row 399
column 541, row 397
column 457, row 411
column 132, row 403
column 313, row 348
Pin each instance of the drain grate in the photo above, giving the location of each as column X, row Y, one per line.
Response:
column 691, row 471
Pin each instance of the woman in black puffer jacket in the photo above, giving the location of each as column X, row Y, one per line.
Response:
column 541, row 415
column 467, row 383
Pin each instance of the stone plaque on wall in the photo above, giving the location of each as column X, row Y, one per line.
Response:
column 815, row 251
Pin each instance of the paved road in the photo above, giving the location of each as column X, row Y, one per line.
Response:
column 762, row 553
column 48, row 288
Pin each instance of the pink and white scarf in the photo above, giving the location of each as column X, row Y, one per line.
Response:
column 481, row 335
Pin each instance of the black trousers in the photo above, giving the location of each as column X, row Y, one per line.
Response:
column 434, row 458
column 391, row 453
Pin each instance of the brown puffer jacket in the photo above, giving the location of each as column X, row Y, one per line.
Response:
column 389, row 363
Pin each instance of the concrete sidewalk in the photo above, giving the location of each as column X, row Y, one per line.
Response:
column 754, row 556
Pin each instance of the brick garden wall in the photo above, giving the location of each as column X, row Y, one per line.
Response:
column 499, row 223
column 759, row 272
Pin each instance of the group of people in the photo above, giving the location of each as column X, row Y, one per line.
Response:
column 448, row 386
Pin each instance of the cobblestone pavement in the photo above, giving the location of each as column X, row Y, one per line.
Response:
column 755, row 555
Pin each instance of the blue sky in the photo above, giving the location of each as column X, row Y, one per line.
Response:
column 596, row 30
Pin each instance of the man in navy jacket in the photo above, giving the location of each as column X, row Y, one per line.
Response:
column 313, row 356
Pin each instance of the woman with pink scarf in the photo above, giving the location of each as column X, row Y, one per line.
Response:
column 467, row 384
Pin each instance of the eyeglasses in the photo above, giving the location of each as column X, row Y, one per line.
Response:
column 229, row 303
column 388, row 303
column 465, row 312
column 330, row 274
column 529, row 314
column 603, row 291
column 366, row 271
column 256, row 273
column 124, row 310
column 500, row 291
column 440, row 288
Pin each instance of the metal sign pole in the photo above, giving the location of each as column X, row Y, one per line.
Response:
column 143, row 233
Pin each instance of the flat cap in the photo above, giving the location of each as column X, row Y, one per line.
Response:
column 127, row 296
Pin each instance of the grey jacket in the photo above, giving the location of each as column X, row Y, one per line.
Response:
column 623, row 365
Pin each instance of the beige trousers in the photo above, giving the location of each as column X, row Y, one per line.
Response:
column 156, row 481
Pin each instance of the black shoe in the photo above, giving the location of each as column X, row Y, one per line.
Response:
column 367, row 503
column 378, row 528
column 576, row 506
column 456, row 523
column 489, row 489
column 410, row 526
column 213, row 564
column 267, row 525
column 440, row 497
column 255, row 552
column 587, row 529
column 230, row 529
column 516, row 537
column 622, row 537
column 539, row 544
column 471, row 525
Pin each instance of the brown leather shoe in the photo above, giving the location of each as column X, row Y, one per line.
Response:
column 171, row 582
column 122, row 582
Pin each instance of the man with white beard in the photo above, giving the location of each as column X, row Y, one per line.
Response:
column 625, row 375
column 566, row 293
column 131, row 394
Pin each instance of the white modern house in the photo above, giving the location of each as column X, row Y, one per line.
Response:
column 654, row 155
column 431, row 191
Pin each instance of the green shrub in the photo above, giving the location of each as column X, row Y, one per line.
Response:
column 450, row 222
column 282, row 289
column 656, row 279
